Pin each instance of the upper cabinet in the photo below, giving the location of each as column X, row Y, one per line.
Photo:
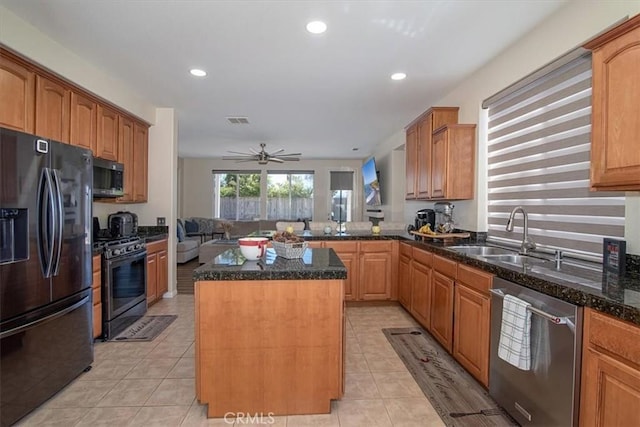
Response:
column 425, row 170
column 615, row 128
column 17, row 83
column 52, row 109
column 453, row 162
column 36, row 101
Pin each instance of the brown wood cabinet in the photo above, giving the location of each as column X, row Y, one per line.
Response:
column 454, row 162
column 84, row 122
column 444, row 275
column 17, row 84
column 97, row 296
column 376, row 266
column 53, row 109
column 615, row 120
column 418, row 150
column 348, row 254
column 157, row 270
column 125, row 156
column 472, row 310
column 610, row 384
column 107, row 140
column 140, row 161
column 404, row 275
column 421, row 287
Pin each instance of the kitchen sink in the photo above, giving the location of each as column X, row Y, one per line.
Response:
column 516, row 259
column 482, row 250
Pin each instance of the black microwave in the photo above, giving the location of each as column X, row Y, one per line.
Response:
column 108, row 178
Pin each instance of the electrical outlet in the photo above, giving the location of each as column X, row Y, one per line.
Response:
column 161, row 220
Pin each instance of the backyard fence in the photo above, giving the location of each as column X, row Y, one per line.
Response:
column 248, row 208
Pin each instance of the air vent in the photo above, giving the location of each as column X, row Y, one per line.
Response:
column 238, row 120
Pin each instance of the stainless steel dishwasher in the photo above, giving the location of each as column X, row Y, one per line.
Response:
column 548, row 393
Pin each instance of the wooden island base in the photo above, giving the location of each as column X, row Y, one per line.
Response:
column 269, row 346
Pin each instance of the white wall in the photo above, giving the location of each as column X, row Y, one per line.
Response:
column 197, row 183
column 568, row 28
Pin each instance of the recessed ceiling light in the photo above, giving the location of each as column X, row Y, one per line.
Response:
column 197, row 72
column 398, row 76
column 316, row 27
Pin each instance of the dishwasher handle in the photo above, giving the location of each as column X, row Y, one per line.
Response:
column 557, row 320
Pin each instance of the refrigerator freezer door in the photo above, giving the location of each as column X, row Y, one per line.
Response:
column 22, row 284
column 72, row 169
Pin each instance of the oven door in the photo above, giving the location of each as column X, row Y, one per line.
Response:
column 125, row 283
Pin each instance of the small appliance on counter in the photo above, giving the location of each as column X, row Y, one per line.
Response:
column 444, row 217
column 123, row 224
column 423, row 217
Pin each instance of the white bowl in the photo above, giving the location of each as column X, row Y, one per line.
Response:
column 253, row 248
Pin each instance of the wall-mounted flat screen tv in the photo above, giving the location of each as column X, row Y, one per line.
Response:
column 371, row 183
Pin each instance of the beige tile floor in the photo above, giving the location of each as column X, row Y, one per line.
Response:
column 152, row 384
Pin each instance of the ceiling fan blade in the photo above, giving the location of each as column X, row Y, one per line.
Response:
column 250, row 157
column 240, row 152
column 254, row 151
column 286, row 159
column 276, row 152
column 275, row 159
column 290, row 154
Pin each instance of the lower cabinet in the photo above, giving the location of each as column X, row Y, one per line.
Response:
column 371, row 268
column 471, row 328
column 157, row 270
column 97, row 296
column 404, row 275
column 421, row 287
column 610, row 394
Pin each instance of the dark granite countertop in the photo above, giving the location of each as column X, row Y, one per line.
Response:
column 152, row 233
column 315, row 264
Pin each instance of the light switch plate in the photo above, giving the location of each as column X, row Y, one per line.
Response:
column 161, row 220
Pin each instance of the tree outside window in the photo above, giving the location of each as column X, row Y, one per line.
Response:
column 289, row 195
column 237, row 195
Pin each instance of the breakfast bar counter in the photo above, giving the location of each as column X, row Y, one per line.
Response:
column 270, row 333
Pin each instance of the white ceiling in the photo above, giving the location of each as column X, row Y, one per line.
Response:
column 321, row 95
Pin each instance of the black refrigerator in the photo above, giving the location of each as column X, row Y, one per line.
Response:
column 45, row 269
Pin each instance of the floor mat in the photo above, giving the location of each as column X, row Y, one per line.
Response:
column 145, row 329
column 455, row 395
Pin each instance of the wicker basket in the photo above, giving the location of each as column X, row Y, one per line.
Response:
column 290, row 250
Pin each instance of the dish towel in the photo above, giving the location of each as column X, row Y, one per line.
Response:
column 514, row 346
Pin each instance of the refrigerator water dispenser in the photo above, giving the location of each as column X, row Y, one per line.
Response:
column 14, row 235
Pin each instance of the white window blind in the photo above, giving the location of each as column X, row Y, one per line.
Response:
column 539, row 140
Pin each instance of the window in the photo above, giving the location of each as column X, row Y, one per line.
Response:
column 236, row 195
column 539, row 158
column 289, row 195
column 341, row 187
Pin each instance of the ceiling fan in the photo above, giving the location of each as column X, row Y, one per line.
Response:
column 263, row 157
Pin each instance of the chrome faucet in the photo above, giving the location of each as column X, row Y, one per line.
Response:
column 527, row 244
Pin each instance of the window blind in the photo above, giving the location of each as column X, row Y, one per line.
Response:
column 341, row 180
column 539, row 141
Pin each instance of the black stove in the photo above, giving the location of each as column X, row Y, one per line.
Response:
column 116, row 247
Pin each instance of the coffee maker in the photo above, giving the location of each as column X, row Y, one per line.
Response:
column 444, row 217
column 424, row 217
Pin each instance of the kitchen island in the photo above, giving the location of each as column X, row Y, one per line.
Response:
column 270, row 333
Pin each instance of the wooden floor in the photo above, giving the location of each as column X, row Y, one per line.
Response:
column 185, row 276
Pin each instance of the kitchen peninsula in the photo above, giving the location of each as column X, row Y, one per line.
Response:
column 270, row 333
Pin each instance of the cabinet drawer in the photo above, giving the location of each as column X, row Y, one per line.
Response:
column 423, row 257
column 613, row 335
column 474, row 278
column 406, row 250
column 342, row 246
column 376, row 246
column 97, row 296
column 445, row 266
column 157, row 246
column 97, row 262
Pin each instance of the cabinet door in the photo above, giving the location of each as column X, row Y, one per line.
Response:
column 615, row 129
column 439, row 163
column 411, row 159
column 97, row 296
column 84, row 122
column 610, row 391
column 53, row 107
column 107, row 139
column 163, row 273
column 17, row 83
column 471, row 332
column 404, row 281
column 348, row 254
column 421, row 294
column 375, row 276
column 152, row 277
column 125, row 156
column 140, row 159
column 423, row 172
column 442, row 310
